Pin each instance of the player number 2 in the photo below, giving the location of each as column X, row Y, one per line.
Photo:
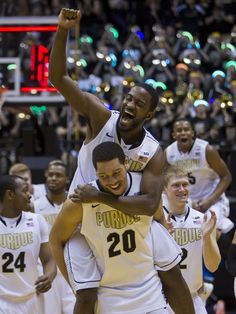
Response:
column 127, row 239
column 184, row 256
column 19, row 263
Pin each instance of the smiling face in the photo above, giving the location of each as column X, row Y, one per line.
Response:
column 177, row 191
column 183, row 134
column 112, row 176
column 135, row 109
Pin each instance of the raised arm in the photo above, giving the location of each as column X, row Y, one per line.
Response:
column 218, row 165
column 211, row 252
column 65, row 224
column 85, row 103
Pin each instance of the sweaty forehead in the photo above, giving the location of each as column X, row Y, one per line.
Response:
column 56, row 168
column 140, row 93
column 108, row 166
column 182, row 124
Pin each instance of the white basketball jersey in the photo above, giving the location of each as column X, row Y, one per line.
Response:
column 203, row 179
column 39, row 190
column 122, row 245
column 188, row 235
column 138, row 154
column 19, row 252
column 49, row 210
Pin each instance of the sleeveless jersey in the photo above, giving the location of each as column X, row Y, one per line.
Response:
column 48, row 209
column 39, row 190
column 138, row 155
column 188, row 235
column 203, row 179
column 122, row 246
column 19, row 253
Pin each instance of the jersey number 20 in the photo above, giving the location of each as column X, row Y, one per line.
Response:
column 128, row 242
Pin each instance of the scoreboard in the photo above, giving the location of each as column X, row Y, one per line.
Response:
column 25, row 43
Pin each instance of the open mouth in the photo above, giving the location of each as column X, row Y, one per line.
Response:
column 184, row 140
column 126, row 116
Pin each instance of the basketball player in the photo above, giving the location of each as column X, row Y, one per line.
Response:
column 23, row 171
column 23, row 239
column 208, row 174
column 193, row 231
column 142, row 151
column 60, row 298
column 123, row 245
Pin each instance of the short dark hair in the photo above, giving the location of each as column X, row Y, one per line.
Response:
column 107, row 151
column 182, row 120
column 8, row 182
column 153, row 93
column 56, row 162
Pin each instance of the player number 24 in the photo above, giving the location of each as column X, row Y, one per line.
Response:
column 128, row 242
column 13, row 263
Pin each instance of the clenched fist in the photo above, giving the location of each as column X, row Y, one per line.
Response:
column 68, row 18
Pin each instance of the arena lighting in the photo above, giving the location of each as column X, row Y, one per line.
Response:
column 156, row 84
column 35, row 28
column 199, row 102
column 218, row 72
column 86, row 38
column 188, row 35
column 39, row 54
column 139, row 68
column 230, row 63
column 114, row 32
column 38, row 89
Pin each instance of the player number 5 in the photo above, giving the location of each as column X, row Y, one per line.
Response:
column 191, row 178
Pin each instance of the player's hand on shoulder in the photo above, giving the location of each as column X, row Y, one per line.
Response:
column 68, row 18
column 85, row 194
column 208, row 224
column 42, row 284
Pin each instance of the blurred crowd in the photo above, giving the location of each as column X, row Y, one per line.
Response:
column 185, row 49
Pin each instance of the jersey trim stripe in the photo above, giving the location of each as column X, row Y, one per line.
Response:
column 71, row 269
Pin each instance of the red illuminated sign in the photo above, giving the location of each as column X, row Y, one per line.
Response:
column 39, row 53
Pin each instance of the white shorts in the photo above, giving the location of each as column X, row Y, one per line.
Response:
column 80, row 263
column 59, row 299
column 159, row 311
column 198, row 304
column 30, row 306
